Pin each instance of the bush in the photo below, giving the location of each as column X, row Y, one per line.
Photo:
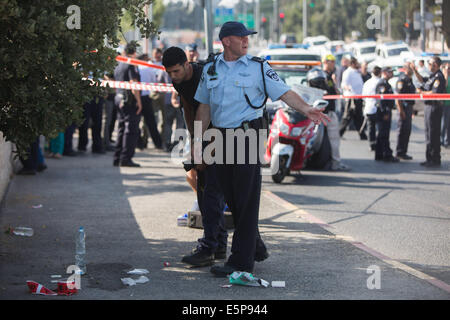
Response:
column 41, row 88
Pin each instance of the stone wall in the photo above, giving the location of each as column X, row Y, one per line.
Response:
column 6, row 165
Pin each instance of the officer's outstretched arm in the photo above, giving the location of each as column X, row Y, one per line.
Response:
column 296, row 102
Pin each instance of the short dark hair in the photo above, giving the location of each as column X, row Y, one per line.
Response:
column 143, row 56
column 173, row 56
column 437, row 60
column 376, row 71
column 130, row 48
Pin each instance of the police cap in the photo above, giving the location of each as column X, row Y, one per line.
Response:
column 234, row 28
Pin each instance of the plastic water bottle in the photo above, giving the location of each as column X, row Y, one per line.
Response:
column 23, row 231
column 80, row 250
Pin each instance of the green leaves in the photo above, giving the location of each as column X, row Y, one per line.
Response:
column 40, row 90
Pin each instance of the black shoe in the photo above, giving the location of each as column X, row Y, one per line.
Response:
column 116, row 163
column 404, row 157
column 41, row 167
column 430, row 164
column 70, row 153
column 391, row 159
column 199, row 258
column 81, row 150
column 129, row 164
column 99, row 151
column 363, row 137
column 223, row 271
column 261, row 256
column 221, row 253
column 26, row 172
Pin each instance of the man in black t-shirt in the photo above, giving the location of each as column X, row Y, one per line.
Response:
column 129, row 106
column 213, row 245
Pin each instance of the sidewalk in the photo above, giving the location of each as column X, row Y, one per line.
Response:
column 130, row 218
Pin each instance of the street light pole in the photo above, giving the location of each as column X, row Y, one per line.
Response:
column 305, row 20
column 207, row 13
column 422, row 24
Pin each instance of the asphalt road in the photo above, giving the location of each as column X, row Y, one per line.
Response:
column 402, row 210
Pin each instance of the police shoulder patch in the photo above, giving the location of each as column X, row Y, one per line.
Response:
column 436, row 83
column 272, row 75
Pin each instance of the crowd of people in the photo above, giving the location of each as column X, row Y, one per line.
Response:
column 154, row 118
column 372, row 117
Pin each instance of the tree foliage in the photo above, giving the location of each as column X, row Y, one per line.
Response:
column 41, row 90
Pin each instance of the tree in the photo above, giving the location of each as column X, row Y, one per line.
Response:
column 47, row 47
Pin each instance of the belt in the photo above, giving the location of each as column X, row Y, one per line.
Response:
column 257, row 123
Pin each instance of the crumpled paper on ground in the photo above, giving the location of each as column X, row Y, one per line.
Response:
column 247, row 279
column 132, row 282
column 138, row 271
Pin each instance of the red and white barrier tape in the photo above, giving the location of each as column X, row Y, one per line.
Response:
column 137, row 62
column 158, row 87
column 400, row 96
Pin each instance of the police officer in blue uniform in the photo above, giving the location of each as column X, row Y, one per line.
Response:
column 384, row 116
column 405, row 108
column 232, row 92
column 433, row 111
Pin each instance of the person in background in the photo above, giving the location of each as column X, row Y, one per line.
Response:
column 129, row 106
column 445, row 130
column 365, row 74
column 433, row 111
column 352, row 83
column 405, row 108
column 148, row 75
column 384, row 117
column 56, row 146
column 370, row 107
column 109, row 116
column 93, row 110
column 191, row 52
column 332, row 129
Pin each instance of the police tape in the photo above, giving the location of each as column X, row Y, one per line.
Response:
column 393, row 96
column 157, row 87
column 137, row 62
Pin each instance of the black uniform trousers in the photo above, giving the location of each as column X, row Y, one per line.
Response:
column 241, row 186
column 128, row 129
column 211, row 202
column 355, row 113
column 32, row 160
column 150, row 121
column 404, row 130
column 433, row 118
column 382, row 148
column 92, row 110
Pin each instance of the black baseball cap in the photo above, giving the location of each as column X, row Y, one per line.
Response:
column 234, row 28
column 386, row 69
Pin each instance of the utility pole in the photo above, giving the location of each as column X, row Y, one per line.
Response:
column 422, row 24
column 305, row 20
column 389, row 20
column 276, row 22
column 207, row 14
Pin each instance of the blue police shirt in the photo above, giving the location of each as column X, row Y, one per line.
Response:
column 224, row 91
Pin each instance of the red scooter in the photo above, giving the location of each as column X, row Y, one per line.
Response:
column 295, row 142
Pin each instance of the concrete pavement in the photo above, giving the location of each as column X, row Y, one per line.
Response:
column 130, row 218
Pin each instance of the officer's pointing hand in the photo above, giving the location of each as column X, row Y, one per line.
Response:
column 318, row 116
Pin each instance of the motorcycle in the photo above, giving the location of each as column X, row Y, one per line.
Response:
column 295, row 142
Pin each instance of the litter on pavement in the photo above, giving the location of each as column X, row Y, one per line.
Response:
column 247, row 279
column 138, row 271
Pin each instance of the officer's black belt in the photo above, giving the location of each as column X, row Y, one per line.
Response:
column 252, row 124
